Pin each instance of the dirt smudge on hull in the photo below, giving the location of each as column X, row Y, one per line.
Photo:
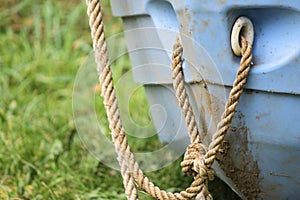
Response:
column 243, row 170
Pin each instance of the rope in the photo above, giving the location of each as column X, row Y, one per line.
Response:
column 198, row 159
column 181, row 94
column 109, row 96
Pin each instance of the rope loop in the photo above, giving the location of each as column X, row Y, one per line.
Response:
column 198, row 159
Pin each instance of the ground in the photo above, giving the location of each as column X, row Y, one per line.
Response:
column 42, row 46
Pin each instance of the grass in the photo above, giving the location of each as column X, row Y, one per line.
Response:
column 42, row 46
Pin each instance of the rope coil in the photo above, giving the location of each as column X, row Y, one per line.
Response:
column 198, row 158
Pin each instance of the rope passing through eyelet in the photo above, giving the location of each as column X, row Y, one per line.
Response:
column 199, row 160
column 242, row 27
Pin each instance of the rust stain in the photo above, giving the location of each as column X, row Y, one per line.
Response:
column 212, row 107
column 203, row 111
column 262, row 115
column 222, row 2
column 187, row 13
column 204, row 24
column 248, row 91
column 203, row 120
column 243, row 171
column 275, row 187
column 185, row 19
column 205, row 104
column 279, row 174
column 186, row 23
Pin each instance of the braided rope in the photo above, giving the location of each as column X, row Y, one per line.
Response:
column 109, row 96
column 197, row 160
column 181, row 94
column 232, row 102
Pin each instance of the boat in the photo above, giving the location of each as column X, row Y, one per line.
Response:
column 260, row 155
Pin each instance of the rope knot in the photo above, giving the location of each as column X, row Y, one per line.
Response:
column 193, row 163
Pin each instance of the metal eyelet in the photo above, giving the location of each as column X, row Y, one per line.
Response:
column 242, row 27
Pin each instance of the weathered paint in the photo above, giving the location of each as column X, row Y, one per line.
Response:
column 260, row 158
column 213, row 20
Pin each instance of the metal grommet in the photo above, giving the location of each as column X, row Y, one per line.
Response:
column 242, row 27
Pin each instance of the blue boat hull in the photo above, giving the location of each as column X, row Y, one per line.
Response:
column 260, row 157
